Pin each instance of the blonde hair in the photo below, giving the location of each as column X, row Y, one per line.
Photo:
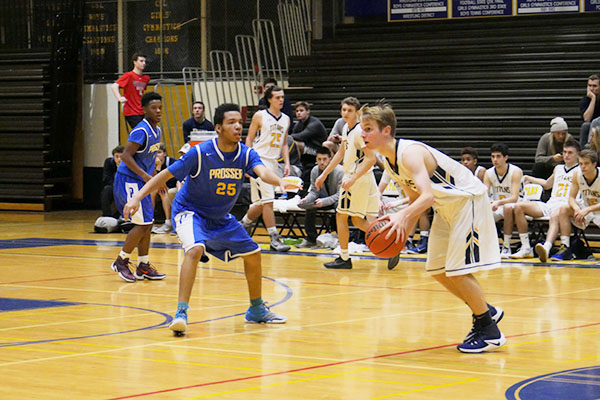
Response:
column 595, row 139
column 382, row 114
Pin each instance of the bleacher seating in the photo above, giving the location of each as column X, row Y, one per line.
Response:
column 30, row 177
column 458, row 83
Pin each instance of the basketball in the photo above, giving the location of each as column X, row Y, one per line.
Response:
column 378, row 244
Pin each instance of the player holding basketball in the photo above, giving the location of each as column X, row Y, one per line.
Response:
column 137, row 166
column 268, row 134
column 463, row 235
column 214, row 173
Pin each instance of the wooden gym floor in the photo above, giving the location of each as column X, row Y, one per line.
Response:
column 71, row 329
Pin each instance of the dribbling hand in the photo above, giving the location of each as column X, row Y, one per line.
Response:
column 398, row 225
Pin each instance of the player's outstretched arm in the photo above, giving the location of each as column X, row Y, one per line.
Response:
column 546, row 183
column 151, row 186
column 271, row 177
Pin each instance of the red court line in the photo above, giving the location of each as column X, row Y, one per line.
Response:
column 336, row 363
column 281, row 372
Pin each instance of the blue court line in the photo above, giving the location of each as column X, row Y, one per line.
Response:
column 566, row 384
column 45, row 242
column 168, row 318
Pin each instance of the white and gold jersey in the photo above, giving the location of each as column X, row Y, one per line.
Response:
column 590, row 191
column 353, row 145
column 450, row 179
column 271, row 135
column 563, row 177
column 501, row 185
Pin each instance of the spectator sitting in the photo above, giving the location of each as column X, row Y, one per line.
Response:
column 549, row 149
column 308, row 132
column 324, row 199
column 589, row 107
column 469, row 158
column 162, row 162
column 594, row 143
column 335, row 136
column 295, row 163
column 197, row 123
column 287, row 105
column 107, row 201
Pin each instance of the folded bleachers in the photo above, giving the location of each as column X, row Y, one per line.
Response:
column 30, row 177
column 457, row 83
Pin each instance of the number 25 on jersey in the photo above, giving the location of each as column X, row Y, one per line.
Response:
column 225, row 189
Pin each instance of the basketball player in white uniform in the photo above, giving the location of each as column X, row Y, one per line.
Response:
column 268, row 136
column 560, row 182
column 359, row 197
column 463, row 235
column 586, row 182
column 469, row 158
column 503, row 181
column 583, row 207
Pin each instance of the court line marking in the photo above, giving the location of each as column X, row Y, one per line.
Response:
column 168, row 319
column 53, row 242
column 288, row 294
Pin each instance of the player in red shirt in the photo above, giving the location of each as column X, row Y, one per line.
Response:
column 134, row 84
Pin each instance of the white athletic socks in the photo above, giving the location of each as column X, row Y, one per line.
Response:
column 344, row 254
column 524, row 240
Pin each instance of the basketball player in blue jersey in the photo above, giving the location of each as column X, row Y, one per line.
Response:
column 214, row 172
column 137, row 166
column 463, row 236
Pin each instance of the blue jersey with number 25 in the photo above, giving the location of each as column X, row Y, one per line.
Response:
column 213, row 178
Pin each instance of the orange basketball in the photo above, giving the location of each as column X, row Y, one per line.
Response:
column 378, row 244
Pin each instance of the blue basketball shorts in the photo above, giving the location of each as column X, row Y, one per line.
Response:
column 224, row 238
column 123, row 190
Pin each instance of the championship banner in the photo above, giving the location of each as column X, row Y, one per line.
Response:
column 100, row 36
column 592, row 5
column 481, row 8
column 528, row 7
column 146, row 15
column 405, row 10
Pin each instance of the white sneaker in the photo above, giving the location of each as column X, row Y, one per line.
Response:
column 542, row 251
column 164, row 228
column 524, row 252
column 505, row 253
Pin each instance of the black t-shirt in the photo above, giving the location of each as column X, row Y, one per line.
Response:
column 585, row 102
column 191, row 124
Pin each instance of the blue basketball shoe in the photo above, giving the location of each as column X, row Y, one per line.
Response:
column 261, row 314
column 484, row 339
column 179, row 323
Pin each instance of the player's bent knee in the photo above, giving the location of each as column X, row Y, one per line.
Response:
column 195, row 252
